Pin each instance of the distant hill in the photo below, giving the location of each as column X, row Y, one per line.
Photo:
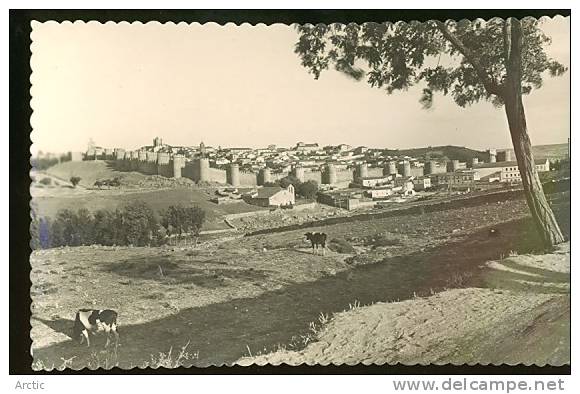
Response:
column 90, row 171
column 451, row 152
column 542, row 152
column 554, row 151
column 441, row 153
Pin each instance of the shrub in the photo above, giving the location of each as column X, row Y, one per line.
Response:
column 46, row 181
column 85, row 227
column 108, row 228
column 341, row 245
column 289, row 180
column 75, row 180
column 179, row 220
column 35, row 232
column 307, row 189
column 43, row 163
column 64, row 229
column 138, row 224
column 135, row 224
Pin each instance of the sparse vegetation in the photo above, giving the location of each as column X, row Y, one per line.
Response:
column 382, row 240
column 169, row 360
column 75, row 180
column 340, row 245
column 459, row 280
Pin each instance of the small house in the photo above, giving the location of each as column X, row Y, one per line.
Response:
column 274, row 196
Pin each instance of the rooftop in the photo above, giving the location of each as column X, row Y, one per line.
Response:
column 268, row 191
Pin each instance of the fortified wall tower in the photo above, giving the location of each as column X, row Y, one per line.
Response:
column 330, row 177
column 390, row 168
column 298, row 172
column 405, row 169
column 452, row 165
column 505, row 155
column 265, row 176
column 430, row 167
column 178, row 165
column 233, row 175
column 163, row 166
column 362, row 170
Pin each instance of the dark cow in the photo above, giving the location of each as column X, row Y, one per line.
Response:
column 92, row 321
column 317, row 239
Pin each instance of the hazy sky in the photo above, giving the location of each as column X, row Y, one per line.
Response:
column 123, row 84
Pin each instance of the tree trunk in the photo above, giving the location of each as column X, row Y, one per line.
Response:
column 542, row 214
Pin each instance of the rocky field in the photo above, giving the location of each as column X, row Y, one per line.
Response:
column 239, row 296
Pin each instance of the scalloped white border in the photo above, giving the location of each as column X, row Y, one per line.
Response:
column 554, row 4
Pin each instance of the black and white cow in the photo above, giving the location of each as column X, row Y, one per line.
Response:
column 317, row 239
column 92, row 321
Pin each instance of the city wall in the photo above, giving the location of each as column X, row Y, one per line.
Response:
column 375, row 172
column 199, row 170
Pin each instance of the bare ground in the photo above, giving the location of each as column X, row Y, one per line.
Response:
column 236, row 297
column 524, row 318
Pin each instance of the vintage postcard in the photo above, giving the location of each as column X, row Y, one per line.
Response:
column 374, row 193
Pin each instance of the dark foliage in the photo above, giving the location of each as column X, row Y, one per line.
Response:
column 75, row 180
column 134, row 224
column 289, row 180
column 464, row 59
column 307, row 189
column 179, row 220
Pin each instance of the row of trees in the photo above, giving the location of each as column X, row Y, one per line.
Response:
column 306, row 189
column 134, row 224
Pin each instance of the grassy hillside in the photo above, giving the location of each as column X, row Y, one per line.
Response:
column 157, row 199
column 157, row 192
column 553, row 152
column 90, row 171
column 441, row 153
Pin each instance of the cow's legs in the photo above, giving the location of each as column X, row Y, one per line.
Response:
column 114, row 329
column 108, row 332
column 86, row 335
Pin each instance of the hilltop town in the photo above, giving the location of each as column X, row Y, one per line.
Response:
column 346, row 176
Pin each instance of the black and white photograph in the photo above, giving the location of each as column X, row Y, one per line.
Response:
column 237, row 194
